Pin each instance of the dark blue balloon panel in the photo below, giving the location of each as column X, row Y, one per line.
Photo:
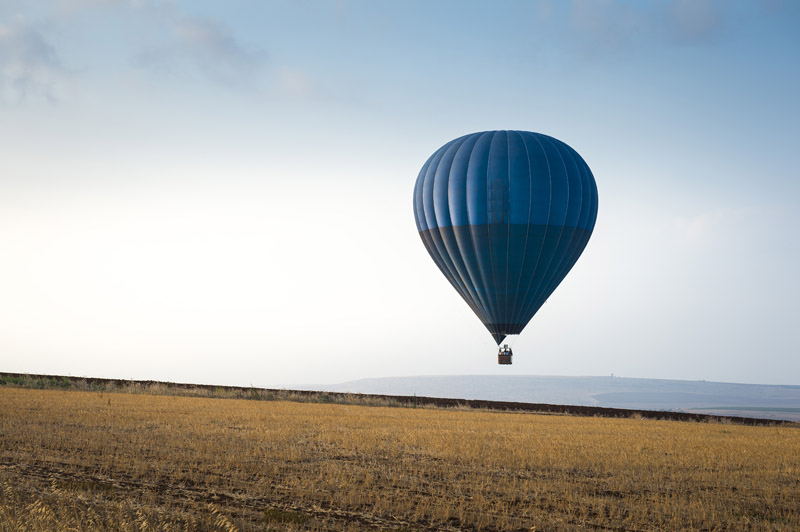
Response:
column 505, row 215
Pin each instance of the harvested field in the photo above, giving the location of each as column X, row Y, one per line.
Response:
column 113, row 461
column 62, row 382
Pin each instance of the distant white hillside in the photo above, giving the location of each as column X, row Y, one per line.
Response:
column 751, row 400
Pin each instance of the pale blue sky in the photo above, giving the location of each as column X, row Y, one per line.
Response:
column 221, row 191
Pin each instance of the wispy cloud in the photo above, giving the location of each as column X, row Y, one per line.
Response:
column 703, row 228
column 205, row 48
column 296, row 83
column 608, row 26
column 29, row 64
column 176, row 43
column 694, row 21
column 80, row 5
column 604, row 26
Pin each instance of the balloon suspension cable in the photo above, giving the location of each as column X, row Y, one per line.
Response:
column 511, row 340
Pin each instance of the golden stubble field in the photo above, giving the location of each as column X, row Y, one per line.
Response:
column 74, row 460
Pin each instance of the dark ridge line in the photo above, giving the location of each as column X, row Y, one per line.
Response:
column 440, row 402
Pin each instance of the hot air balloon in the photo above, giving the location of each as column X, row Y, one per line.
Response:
column 505, row 215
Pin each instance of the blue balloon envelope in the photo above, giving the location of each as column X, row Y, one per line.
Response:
column 505, row 215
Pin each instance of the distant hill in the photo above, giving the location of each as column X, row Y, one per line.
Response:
column 718, row 398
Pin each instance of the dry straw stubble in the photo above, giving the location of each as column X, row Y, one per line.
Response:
column 94, row 461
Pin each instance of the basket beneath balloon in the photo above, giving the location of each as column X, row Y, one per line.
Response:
column 504, row 355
